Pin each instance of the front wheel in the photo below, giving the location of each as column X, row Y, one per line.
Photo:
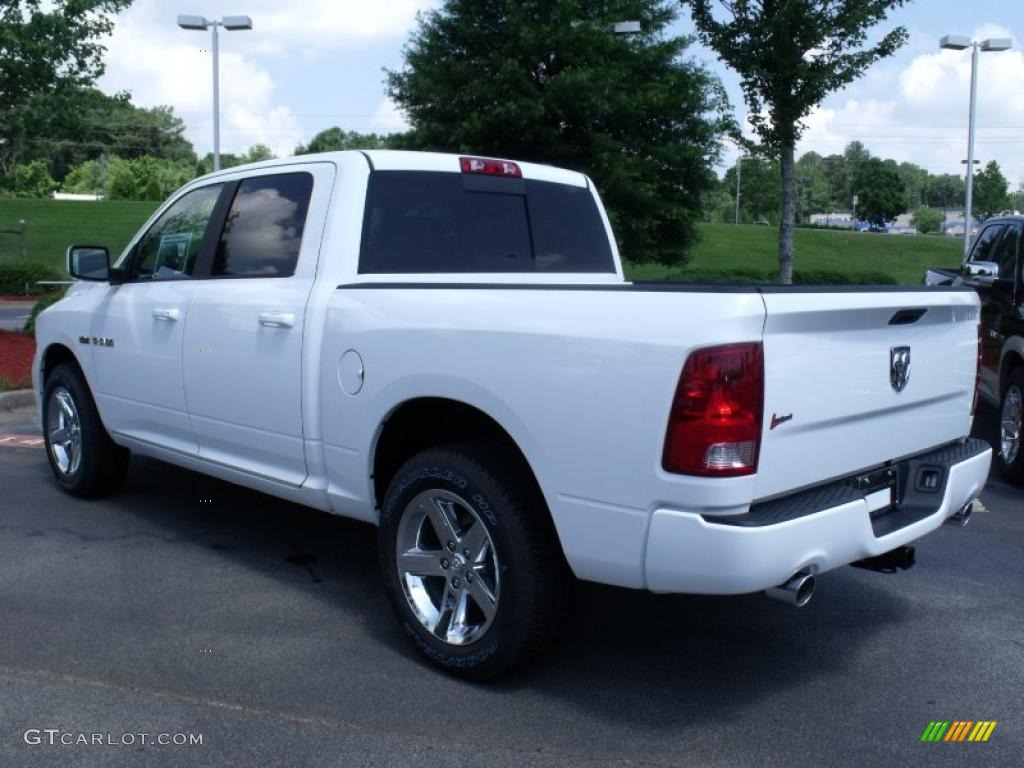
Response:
column 84, row 460
column 471, row 565
column 1011, row 428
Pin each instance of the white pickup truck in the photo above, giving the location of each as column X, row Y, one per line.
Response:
column 446, row 347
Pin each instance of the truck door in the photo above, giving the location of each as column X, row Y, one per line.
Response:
column 245, row 331
column 998, row 244
column 137, row 327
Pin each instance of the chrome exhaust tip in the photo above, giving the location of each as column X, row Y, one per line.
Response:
column 796, row 592
column 962, row 517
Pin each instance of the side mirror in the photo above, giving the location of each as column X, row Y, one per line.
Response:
column 986, row 269
column 89, row 262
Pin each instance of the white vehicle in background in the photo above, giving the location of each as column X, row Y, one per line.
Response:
column 446, row 347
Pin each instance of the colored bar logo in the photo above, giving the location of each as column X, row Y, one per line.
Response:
column 958, row 730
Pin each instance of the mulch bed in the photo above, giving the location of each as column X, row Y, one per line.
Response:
column 16, row 351
column 11, row 297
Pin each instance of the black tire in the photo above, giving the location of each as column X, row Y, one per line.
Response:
column 533, row 573
column 1013, row 470
column 102, row 464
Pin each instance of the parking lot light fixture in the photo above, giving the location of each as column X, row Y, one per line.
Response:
column 201, row 23
column 960, row 43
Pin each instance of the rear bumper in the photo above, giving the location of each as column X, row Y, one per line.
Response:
column 688, row 553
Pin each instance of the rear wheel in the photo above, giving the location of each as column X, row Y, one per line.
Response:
column 470, row 562
column 1011, row 428
column 84, row 460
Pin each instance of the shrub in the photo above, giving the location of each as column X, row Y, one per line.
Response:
column 832, row 277
column 43, row 303
column 750, row 276
column 17, row 276
column 33, row 180
column 927, row 220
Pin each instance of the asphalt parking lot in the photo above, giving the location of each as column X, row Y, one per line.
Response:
column 187, row 605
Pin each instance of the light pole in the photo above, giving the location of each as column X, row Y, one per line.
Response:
column 959, row 43
column 232, row 24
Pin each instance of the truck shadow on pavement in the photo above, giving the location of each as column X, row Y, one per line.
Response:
column 634, row 657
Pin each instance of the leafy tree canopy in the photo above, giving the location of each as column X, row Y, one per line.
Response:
column 991, row 191
column 336, row 139
column 67, row 126
column 880, row 191
column 46, row 44
column 551, row 82
column 33, row 180
column 759, row 189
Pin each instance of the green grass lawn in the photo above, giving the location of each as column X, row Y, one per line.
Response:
column 748, row 246
column 53, row 225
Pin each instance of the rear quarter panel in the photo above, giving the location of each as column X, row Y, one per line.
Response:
column 582, row 380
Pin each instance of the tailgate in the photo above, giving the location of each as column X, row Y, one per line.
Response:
column 829, row 365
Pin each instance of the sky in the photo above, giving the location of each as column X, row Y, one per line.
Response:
column 309, row 64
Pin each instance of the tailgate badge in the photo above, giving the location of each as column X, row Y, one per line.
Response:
column 776, row 419
column 899, row 367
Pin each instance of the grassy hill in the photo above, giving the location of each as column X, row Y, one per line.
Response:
column 750, row 247
column 53, row 225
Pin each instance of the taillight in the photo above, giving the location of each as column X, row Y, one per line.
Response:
column 977, row 375
column 490, row 167
column 715, row 425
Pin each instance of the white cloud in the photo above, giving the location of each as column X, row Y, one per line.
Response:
column 388, row 118
column 159, row 63
column 921, row 117
column 338, row 22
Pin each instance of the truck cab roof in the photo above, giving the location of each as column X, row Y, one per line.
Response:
column 405, row 160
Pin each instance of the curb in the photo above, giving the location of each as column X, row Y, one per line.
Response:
column 19, row 398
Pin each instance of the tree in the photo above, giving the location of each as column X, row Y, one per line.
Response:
column 257, row 153
column 33, row 180
column 880, row 191
column 990, row 191
column 70, row 125
column 1017, row 198
column 790, row 54
column 46, row 46
column 335, row 139
column 944, row 191
column 814, row 194
column 121, row 183
column 759, row 194
column 838, row 181
column 928, row 220
column 915, row 182
column 552, row 83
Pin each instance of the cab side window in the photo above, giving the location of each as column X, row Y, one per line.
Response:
column 168, row 250
column 263, row 230
column 1007, row 253
column 985, row 246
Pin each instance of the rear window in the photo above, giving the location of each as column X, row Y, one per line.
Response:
column 418, row 221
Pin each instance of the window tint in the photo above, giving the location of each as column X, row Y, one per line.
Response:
column 419, row 221
column 984, row 246
column 168, row 250
column 1006, row 254
column 263, row 230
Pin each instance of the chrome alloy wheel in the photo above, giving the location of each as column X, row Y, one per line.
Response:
column 1010, row 424
column 448, row 566
column 64, row 431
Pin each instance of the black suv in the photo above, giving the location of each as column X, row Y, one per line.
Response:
column 994, row 269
